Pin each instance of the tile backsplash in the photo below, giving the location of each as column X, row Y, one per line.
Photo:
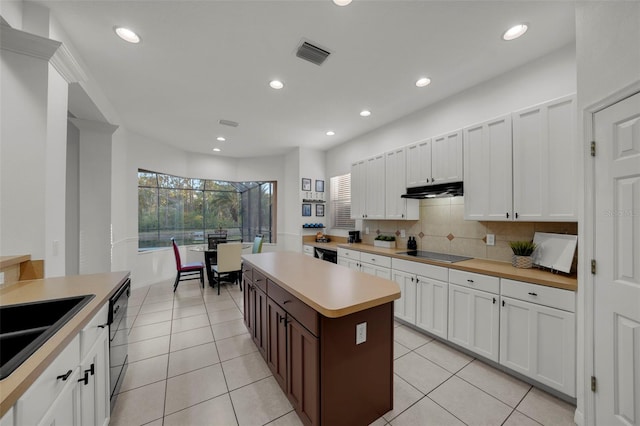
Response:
column 442, row 228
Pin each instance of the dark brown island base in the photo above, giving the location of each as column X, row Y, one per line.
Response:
column 326, row 333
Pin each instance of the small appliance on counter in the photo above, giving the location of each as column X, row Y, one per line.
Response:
column 354, row 237
column 321, row 238
column 412, row 244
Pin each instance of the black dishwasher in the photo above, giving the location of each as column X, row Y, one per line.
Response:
column 118, row 340
column 326, row 254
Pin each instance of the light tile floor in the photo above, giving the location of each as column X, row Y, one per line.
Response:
column 193, row 363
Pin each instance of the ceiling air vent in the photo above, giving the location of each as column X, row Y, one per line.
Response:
column 228, row 123
column 311, row 53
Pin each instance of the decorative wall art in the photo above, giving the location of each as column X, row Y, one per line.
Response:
column 306, row 184
column 319, row 210
column 319, row 185
column 306, row 209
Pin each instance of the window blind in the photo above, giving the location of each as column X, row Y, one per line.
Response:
column 341, row 201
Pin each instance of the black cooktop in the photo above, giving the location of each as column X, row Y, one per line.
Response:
column 440, row 257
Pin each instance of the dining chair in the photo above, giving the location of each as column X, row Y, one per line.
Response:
column 257, row 244
column 229, row 263
column 187, row 271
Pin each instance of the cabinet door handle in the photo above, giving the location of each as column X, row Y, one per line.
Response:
column 92, row 370
column 516, row 215
column 532, row 293
column 507, row 215
column 503, row 303
column 85, row 379
column 102, row 325
column 494, row 300
column 411, row 279
column 417, row 280
column 64, row 377
column 470, row 281
column 286, row 301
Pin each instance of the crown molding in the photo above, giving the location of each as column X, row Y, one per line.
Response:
column 95, row 126
column 52, row 51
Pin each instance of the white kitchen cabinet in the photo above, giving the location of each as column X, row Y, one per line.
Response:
column 447, row 158
column 368, row 188
column 545, row 162
column 474, row 320
column 349, row 263
column 488, row 177
column 405, row 306
column 432, row 305
column 94, row 383
column 538, row 340
column 349, row 258
column 397, row 207
column 418, row 164
column 374, row 264
column 308, row 250
column 358, row 189
column 65, row 409
column 7, row 419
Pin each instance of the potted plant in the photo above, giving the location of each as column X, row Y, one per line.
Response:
column 522, row 251
column 388, row 241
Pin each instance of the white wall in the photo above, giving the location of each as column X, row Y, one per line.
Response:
column 11, row 11
column 608, row 60
column 548, row 77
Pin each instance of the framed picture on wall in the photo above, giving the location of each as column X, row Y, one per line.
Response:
column 306, row 209
column 319, row 210
column 306, row 184
column 319, row 185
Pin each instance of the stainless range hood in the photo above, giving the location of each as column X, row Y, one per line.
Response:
column 442, row 190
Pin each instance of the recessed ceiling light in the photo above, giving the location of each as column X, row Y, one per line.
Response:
column 424, row 81
column 331, row 133
column 365, row 113
column 127, row 35
column 342, row 2
column 220, row 139
column 276, row 84
column 515, row 32
column 216, row 149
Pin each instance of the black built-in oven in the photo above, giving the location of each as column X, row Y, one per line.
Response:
column 118, row 341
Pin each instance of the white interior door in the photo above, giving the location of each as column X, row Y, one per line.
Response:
column 617, row 251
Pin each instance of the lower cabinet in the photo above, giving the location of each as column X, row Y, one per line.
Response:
column 94, row 383
column 65, row 410
column 474, row 320
column 432, row 300
column 255, row 308
column 538, row 341
column 277, row 342
column 405, row 306
column 303, row 371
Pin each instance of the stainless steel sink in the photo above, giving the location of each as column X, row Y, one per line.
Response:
column 26, row 326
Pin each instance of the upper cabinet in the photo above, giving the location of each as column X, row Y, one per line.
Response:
column 487, row 170
column 435, row 160
column 523, row 166
column 544, row 162
column 368, row 188
column 397, row 207
column 419, row 163
column 446, row 158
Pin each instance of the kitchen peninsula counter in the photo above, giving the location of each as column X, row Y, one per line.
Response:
column 102, row 285
column 326, row 333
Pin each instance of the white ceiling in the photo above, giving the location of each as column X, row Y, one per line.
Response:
column 202, row 61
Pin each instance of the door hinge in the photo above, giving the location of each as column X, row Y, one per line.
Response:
column 593, row 266
column 593, row 384
column 593, row 148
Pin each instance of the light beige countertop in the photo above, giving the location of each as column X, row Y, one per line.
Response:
column 481, row 266
column 331, row 290
column 102, row 285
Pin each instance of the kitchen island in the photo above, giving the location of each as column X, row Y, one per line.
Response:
column 326, row 333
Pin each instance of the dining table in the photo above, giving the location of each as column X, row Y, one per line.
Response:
column 211, row 257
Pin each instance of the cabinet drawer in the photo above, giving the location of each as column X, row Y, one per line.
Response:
column 247, row 272
column 423, row 269
column 307, row 250
column 350, row 254
column 303, row 313
column 473, row 280
column 376, row 259
column 540, row 294
column 42, row 393
column 260, row 280
column 91, row 331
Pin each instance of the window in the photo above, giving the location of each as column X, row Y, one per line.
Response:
column 341, row 202
column 188, row 209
